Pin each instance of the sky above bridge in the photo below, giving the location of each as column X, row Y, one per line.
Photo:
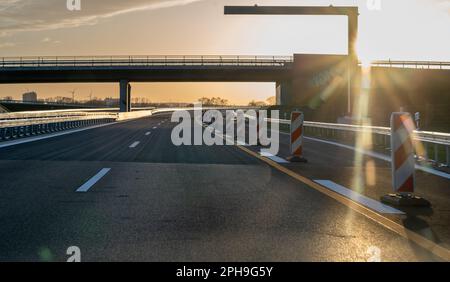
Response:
column 399, row 30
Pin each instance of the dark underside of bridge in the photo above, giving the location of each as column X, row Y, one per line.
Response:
column 145, row 74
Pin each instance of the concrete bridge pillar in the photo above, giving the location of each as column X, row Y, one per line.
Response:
column 284, row 93
column 125, row 96
column 129, row 98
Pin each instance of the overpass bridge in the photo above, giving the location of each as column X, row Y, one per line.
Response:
column 143, row 68
column 126, row 69
column 300, row 78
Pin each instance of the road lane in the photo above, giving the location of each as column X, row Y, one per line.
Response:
column 163, row 203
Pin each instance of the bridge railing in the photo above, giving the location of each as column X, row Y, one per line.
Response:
column 412, row 64
column 184, row 60
column 144, row 61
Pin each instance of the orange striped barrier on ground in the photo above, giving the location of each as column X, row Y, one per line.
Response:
column 403, row 162
column 297, row 121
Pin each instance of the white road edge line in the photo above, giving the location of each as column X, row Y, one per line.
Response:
column 148, row 133
column 135, row 144
column 91, row 182
column 274, row 158
column 361, row 199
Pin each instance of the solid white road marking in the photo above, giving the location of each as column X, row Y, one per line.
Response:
column 155, row 127
column 363, row 200
column 135, row 144
column 274, row 158
column 148, row 133
column 91, row 182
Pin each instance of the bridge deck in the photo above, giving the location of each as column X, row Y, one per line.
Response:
column 85, row 69
column 182, row 60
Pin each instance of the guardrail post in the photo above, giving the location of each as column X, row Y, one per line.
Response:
column 7, row 130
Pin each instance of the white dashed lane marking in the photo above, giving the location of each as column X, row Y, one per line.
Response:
column 91, row 182
column 135, row 144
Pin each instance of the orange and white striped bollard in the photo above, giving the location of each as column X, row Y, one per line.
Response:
column 297, row 121
column 403, row 162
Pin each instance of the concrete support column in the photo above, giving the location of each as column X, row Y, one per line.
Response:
column 284, row 93
column 129, row 98
column 125, row 91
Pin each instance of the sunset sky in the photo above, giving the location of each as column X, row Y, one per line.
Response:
column 401, row 30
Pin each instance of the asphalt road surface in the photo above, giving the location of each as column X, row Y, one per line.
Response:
column 159, row 202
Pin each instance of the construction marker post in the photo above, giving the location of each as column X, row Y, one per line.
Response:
column 403, row 163
column 297, row 121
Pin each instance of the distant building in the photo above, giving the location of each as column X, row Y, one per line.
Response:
column 29, row 97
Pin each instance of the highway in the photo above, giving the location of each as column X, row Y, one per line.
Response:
column 159, row 202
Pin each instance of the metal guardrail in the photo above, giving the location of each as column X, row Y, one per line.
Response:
column 19, row 129
column 7, row 101
column 25, row 124
column 436, row 139
column 426, row 136
column 52, row 114
column 143, row 61
column 34, row 121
